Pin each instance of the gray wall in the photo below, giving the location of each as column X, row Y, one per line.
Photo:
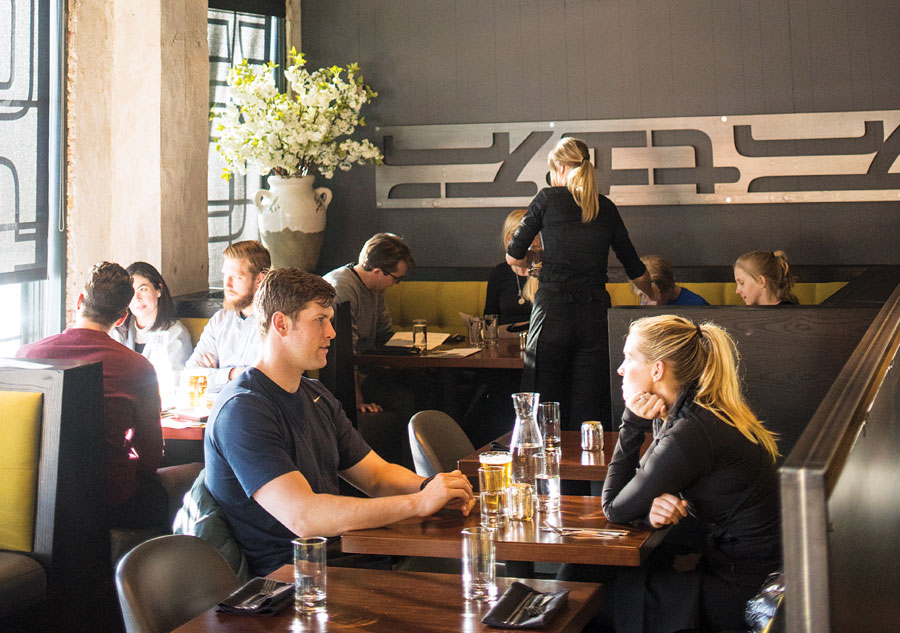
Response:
column 481, row 61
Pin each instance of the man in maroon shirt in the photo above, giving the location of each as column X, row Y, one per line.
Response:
column 134, row 444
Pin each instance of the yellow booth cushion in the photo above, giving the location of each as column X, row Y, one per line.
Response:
column 440, row 302
column 20, row 444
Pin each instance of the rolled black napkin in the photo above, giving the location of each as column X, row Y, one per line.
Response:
column 521, row 607
column 254, row 598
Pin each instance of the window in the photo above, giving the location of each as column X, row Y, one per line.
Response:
column 29, row 180
column 234, row 36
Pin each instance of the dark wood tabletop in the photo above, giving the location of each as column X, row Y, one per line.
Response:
column 504, row 355
column 381, row 601
column 438, row 536
column 574, row 464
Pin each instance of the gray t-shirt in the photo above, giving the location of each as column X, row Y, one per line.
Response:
column 371, row 319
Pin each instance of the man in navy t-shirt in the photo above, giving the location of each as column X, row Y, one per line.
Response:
column 277, row 442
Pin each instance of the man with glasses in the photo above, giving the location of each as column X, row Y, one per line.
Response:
column 383, row 261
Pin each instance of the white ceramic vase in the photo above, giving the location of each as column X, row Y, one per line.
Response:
column 292, row 220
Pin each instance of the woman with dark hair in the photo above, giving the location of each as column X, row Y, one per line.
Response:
column 153, row 329
column 567, row 356
column 711, row 459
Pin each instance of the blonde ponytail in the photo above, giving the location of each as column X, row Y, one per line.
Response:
column 530, row 289
column 581, row 180
column 706, row 355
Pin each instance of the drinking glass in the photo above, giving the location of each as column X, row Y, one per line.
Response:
column 309, row 574
column 520, row 502
column 498, row 458
column 548, row 417
column 420, row 334
column 523, row 341
column 478, row 562
column 491, row 334
column 592, row 435
column 546, row 477
column 492, row 481
column 475, row 330
column 492, row 508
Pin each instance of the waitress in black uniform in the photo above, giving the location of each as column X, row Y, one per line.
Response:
column 567, row 358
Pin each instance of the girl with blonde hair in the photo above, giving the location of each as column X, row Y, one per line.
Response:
column 567, row 354
column 763, row 278
column 663, row 276
column 710, row 458
column 510, row 289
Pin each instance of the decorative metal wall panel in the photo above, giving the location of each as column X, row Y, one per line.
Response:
column 24, row 113
column 232, row 216
column 780, row 158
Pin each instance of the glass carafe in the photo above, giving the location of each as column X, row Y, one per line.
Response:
column 526, row 437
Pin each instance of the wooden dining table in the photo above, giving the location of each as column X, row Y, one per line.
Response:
column 504, row 355
column 439, row 536
column 175, row 430
column 380, row 601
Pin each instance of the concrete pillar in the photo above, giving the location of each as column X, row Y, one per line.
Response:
column 137, row 110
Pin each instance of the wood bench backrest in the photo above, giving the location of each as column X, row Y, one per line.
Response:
column 789, row 356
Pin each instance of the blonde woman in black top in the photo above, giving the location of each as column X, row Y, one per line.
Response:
column 710, row 459
column 567, row 355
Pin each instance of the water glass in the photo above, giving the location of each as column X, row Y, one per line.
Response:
column 420, row 334
column 490, row 329
column 478, row 564
column 492, row 514
column 546, row 478
column 309, row 574
column 523, row 341
column 520, row 502
column 592, row 435
column 476, row 334
column 548, row 418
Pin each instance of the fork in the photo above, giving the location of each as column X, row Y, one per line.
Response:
column 534, row 610
column 254, row 601
column 561, row 531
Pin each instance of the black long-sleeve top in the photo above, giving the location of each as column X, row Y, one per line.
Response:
column 730, row 483
column 575, row 253
column 504, row 289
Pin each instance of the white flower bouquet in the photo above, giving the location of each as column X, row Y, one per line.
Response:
column 289, row 134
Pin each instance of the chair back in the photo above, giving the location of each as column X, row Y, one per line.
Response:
column 164, row 582
column 337, row 374
column 437, row 442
